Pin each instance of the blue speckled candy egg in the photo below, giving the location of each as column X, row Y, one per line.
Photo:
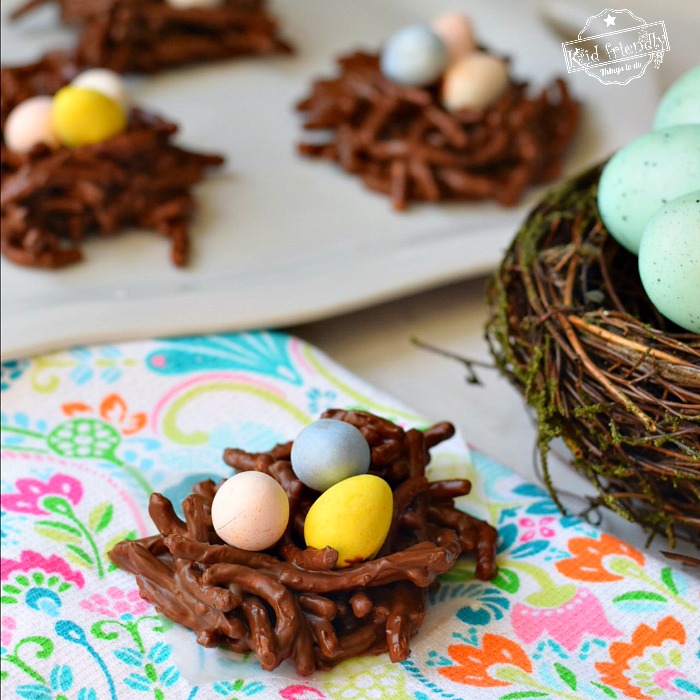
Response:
column 328, row 451
column 669, row 260
column 646, row 173
column 414, row 56
column 681, row 103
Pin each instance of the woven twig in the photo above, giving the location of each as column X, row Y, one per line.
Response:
column 573, row 329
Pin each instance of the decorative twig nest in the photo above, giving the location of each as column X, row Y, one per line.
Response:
column 573, row 329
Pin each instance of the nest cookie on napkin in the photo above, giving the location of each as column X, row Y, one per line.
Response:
column 89, row 434
column 329, row 602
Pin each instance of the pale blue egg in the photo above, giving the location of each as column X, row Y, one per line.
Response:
column 328, row 451
column 681, row 103
column 414, row 56
column 669, row 260
column 646, row 173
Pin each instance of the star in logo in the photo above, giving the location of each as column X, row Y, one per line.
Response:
column 609, row 20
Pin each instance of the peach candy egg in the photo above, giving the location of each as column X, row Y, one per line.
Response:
column 474, row 82
column 250, row 511
column 456, row 32
column 186, row 4
column 29, row 124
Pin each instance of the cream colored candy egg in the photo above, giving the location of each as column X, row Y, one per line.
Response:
column 29, row 124
column 250, row 511
column 353, row 517
column 105, row 81
column 457, row 33
column 474, row 82
column 186, row 4
column 83, row 116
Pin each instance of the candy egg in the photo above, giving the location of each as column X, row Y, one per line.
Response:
column 328, row 451
column 669, row 260
column 456, row 32
column 83, row 116
column 353, row 517
column 413, row 56
column 681, row 103
column 105, row 81
column 645, row 174
column 474, row 82
column 250, row 511
column 29, row 124
column 185, row 4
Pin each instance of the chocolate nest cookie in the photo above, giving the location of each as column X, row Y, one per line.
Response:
column 289, row 601
column 51, row 200
column 147, row 36
column 402, row 142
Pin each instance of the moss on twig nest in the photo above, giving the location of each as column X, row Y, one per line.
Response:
column 572, row 328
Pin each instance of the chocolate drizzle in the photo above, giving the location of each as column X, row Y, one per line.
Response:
column 403, row 143
column 146, row 36
column 51, row 200
column 289, row 602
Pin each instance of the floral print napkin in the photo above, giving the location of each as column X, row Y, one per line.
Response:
column 89, row 433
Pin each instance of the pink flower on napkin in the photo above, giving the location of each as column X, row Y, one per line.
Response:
column 533, row 528
column 29, row 493
column 566, row 624
column 7, row 626
column 115, row 602
column 31, row 561
column 301, row 692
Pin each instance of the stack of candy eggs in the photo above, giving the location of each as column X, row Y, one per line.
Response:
column 420, row 55
column 352, row 513
column 649, row 200
column 92, row 109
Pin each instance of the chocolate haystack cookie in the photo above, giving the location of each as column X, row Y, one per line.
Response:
column 146, row 36
column 289, row 601
column 50, row 200
column 402, row 142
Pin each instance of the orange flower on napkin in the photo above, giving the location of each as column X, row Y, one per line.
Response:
column 473, row 664
column 587, row 562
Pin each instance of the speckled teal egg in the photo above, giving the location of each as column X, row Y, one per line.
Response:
column 669, row 260
column 646, row 173
column 681, row 103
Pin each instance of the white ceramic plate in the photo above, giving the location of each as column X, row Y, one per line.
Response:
column 280, row 239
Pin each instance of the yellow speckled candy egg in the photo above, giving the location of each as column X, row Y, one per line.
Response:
column 646, row 173
column 669, row 260
column 353, row 517
column 83, row 116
